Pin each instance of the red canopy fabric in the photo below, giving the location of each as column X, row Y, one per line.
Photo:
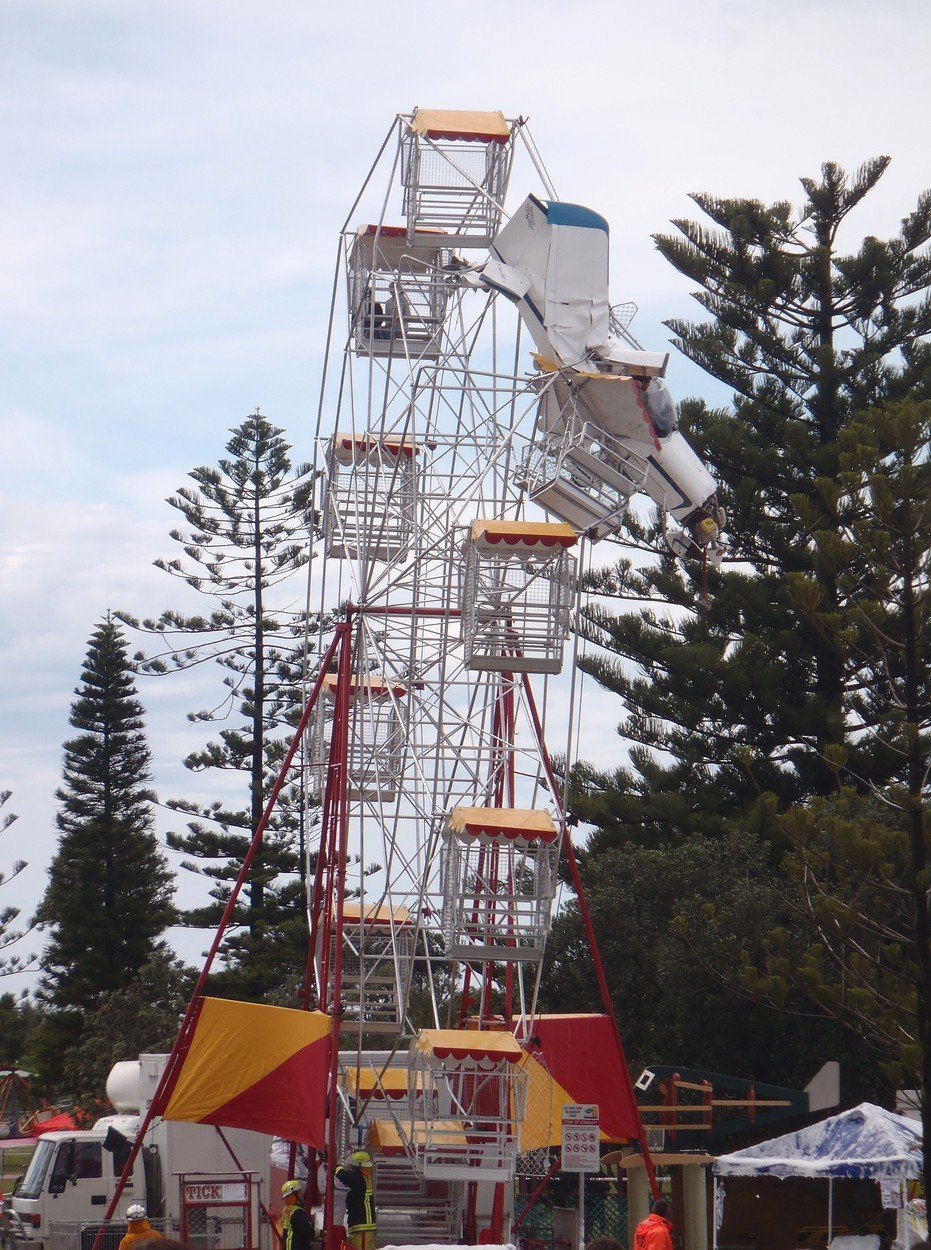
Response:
column 62, row 1123
column 582, row 1054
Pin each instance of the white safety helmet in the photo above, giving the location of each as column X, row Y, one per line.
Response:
column 135, row 1212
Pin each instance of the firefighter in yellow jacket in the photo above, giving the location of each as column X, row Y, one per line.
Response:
column 356, row 1175
column 297, row 1227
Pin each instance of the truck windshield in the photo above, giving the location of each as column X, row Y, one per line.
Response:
column 35, row 1173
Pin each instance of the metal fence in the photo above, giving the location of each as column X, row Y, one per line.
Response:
column 81, row 1234
column 605, row 1216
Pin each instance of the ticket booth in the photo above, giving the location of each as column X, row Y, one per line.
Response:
column 220, row 1212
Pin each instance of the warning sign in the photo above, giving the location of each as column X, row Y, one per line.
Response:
column 580, row 1133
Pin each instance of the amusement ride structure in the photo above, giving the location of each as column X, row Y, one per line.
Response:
column 485, row 417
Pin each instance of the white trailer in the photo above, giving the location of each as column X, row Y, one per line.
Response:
column 72, row 1176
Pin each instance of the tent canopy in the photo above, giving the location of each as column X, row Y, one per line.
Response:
column 865, row 1142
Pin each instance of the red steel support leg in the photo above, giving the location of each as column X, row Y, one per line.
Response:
column 182, row 1041
column 334, row 899
column 590, row 933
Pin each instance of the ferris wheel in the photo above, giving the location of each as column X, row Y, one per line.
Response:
column 484, row 417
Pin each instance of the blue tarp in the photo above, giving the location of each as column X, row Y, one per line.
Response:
column 866, row 1141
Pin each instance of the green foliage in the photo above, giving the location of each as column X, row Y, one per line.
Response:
column 141, row 1018
column 674, row 928
column 17, row 1018
column 849, row 949
column 249, row 526
column 752, row 696
column 861, row 862
column 798, row 704
column 109, row 893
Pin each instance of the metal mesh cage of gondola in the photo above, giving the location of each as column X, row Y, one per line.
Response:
column 584, row 477
column 375, row 755
column 499, row 880
column 518, row 587
column 454, row 169
column 369, row 497
column 476, row 1087
column 398, row 291
column 377, row 963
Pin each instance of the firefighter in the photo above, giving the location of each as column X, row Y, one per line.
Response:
column 138, row 1228
column 356, row 1175
column 297, row 1227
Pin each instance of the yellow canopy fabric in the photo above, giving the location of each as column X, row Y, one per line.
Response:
column 468, row 124
column 542, row 1123
column 376, row 913
column 530, row 534
column 503, row 822
column 256, row 1067
column 385, row 1138
column 466, row 1044
column 368, row 683
column 394, row 1082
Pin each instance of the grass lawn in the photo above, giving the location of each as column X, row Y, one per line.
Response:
column 14, row 1163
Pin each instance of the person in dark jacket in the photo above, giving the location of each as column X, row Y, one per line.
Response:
column 356, row 1175
column 297, row 1227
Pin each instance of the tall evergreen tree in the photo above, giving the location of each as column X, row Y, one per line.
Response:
column 861, row 863
column 109, row 893
column 754, row 694
column 249, row 525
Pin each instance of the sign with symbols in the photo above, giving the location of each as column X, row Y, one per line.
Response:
column 580, row 1137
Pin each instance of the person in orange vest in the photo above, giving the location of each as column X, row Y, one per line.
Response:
column 655, row 1232
column 139, row 1229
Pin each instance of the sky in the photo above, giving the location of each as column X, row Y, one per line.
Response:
column 175, row 176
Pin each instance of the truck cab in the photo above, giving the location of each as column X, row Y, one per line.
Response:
column 70, row 1179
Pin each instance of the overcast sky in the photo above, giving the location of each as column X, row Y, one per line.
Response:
column 174, row 178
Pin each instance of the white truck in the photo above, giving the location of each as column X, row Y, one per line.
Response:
column 72, row 1176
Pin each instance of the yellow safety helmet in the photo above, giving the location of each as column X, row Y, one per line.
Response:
column 291, row 1187
column 360, row 1159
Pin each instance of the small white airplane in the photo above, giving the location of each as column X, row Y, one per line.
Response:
column 607, row 423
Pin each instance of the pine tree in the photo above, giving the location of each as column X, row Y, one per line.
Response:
column 109, row 895
column 8, row 915
column 861, row 863
column 249, row 522
column 753, row 695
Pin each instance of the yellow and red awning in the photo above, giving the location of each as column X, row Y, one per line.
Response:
column 368, row 684
column 256, row 1067
column 472, row 125
column 351, row 448
column 523, row 537
column 393, row 1084
column 436, row 1045
column 509, row 824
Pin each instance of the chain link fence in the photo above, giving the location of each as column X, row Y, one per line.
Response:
column 605, row 1213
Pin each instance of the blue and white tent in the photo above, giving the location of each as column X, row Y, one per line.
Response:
column 866, row 1141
